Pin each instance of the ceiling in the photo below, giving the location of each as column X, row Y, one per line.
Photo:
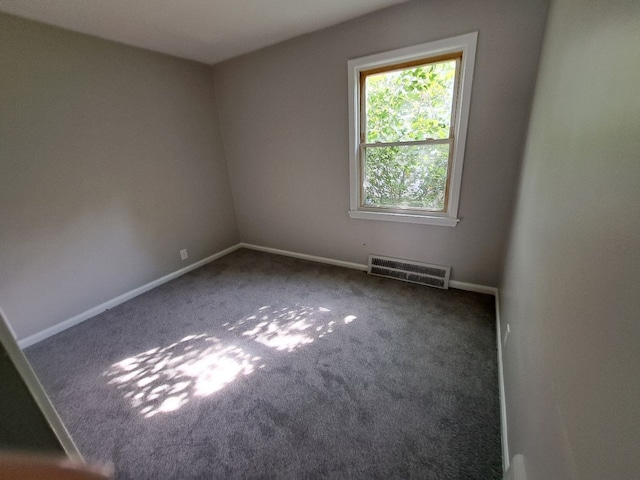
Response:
column 205, row 30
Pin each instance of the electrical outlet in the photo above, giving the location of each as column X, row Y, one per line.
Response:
column 183, row 254
column 506, row 336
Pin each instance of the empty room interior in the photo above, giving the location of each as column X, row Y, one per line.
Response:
column 191, row 227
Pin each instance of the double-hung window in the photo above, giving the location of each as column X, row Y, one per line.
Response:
column 408, row 122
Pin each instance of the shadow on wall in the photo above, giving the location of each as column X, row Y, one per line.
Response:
column 164, row 379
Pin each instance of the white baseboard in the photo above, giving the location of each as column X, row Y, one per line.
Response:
column 37, row 337
column 470, row 287
column 473, row 287
column 503, row 403
column 304, row 256
column 7, row 340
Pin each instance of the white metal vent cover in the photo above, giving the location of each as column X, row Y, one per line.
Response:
column 410, row 271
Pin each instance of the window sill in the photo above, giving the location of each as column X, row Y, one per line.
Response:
column 404, row 218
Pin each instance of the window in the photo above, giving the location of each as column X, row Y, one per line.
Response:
column 408, row 112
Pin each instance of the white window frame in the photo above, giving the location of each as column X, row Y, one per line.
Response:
column 466, row 44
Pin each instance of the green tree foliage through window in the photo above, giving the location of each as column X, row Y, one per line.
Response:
column 405, row 106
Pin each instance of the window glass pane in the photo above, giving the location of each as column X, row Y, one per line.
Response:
column 406, row 176
column 410, row 104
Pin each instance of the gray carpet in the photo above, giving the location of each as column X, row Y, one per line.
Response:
column 261, row 366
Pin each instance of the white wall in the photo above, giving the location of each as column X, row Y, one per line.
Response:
column 571, row 288
column 284, row 118
column 110, row 163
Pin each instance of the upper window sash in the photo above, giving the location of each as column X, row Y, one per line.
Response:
column 399, row 67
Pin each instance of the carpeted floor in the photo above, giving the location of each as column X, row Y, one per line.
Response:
column 262, row 366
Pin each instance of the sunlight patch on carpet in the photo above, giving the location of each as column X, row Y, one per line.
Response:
column 164, row 379
column 287, row 328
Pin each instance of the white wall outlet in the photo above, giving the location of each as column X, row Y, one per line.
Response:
column 506, row 336
column 183, row 254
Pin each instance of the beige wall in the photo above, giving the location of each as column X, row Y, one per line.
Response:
column 571, row 288
column 110, row 163
column 284, row 119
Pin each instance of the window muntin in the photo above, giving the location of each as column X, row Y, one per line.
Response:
column 423, row 146
column 406, row 138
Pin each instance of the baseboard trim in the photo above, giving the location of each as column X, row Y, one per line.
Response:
column 304, row 256
column 37, row 337
column 470, row 287
column 503, row 403
column 48, row 332
column 473, row 287
column 15, row 354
